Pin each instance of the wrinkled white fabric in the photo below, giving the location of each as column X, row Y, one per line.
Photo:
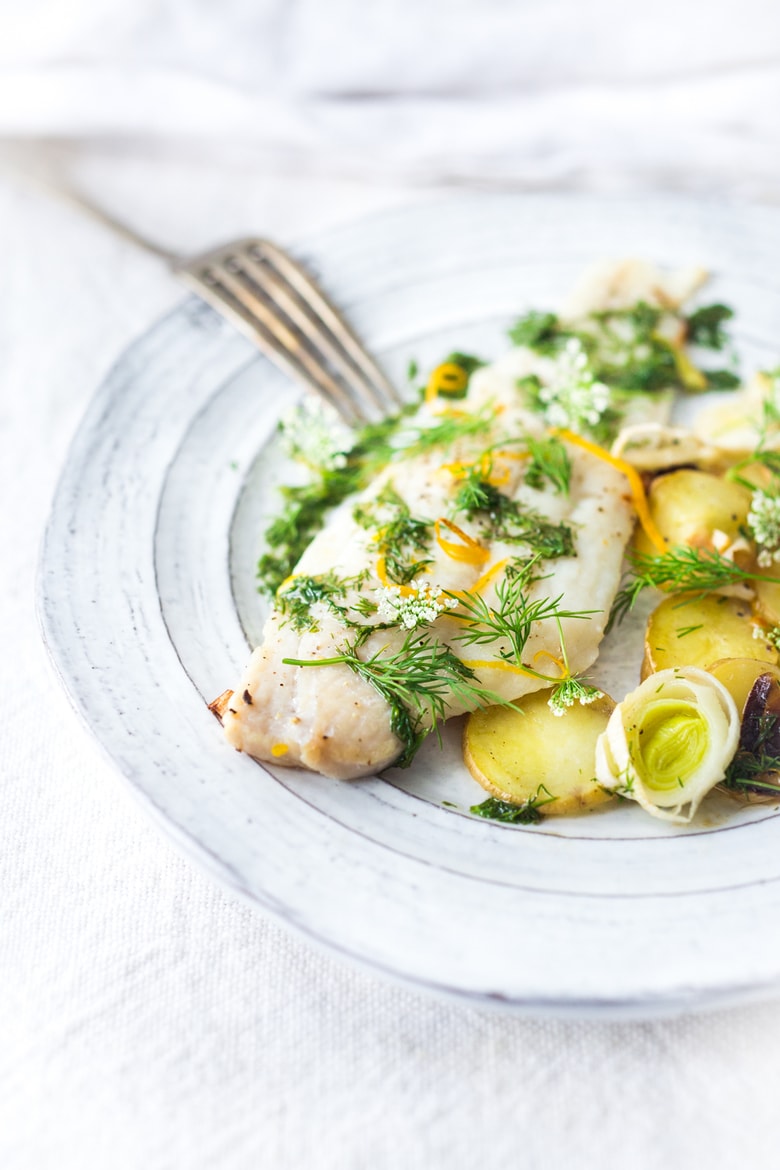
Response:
column 148, row 1020
column 606, row 93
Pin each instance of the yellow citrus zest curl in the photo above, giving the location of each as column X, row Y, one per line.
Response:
column 635, row 484
column 448, row 380
column 465, row 548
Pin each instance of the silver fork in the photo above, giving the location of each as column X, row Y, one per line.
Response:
column 268, row 295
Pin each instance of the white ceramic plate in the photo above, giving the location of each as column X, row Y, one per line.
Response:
column 148, row 603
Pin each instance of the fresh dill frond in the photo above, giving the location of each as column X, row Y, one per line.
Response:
column 539, row 331
column 512, row 618
column 526, row 813
column 416, row 681
column 306, row 506
column 293, row 529
column 544, row 539
column 705, row 326
column 549, row 461
column 467, row 361
column 477, row 494
column 400, row 537
column 722, row 379
column 294, row 602
column 626, row 348
column 680, row 570
column 502, row 518
column 448, row 430
column 748, row 770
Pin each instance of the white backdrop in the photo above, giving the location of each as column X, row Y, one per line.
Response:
column 147, row 1019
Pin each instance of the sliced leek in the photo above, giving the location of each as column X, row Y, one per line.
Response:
column 669, row 742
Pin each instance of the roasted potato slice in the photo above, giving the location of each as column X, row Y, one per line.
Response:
column 738, row 676
column 697, row 631
column 736, row 424
column 768, row 596
column 511, row 752
column 689, row 506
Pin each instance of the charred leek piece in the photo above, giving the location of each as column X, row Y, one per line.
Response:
column 669, row 742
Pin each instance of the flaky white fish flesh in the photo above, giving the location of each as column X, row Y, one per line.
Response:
column 331, row 720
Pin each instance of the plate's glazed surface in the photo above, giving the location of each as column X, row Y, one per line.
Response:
column 148, row 602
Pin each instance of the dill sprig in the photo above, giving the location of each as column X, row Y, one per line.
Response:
column 526, row 813
column 746, row 769
column 502, row 518
column 306, row 506
column 763, row 455
column 626, row 348
column 750, row 766
column 512, row 618
column 549, row 461
column 448, row 430
column 705, row 326
column 680, row 570
column 400, row 537
column 417, row 680
column 294, row 601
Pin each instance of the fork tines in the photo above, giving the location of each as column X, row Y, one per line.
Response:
column 272, row 299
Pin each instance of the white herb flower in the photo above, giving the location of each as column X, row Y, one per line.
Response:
column 572, row 691
column 772, row 635
column 764, row 521
column 417, row 608
column 573, row 398
column 311, row 433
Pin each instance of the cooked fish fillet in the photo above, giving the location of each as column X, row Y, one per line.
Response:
column 331, row 720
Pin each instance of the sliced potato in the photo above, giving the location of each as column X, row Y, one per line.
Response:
column 511, row 752
column 736, row 424
column 697, row 631
column 768, row 596
column 689, row 506
column 739, row 674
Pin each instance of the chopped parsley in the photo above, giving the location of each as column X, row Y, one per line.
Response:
column 502, row 518
column 400, row 537
column 705, row 326
column 467, row 361
column 306, row 506
column 294, row 601
column 539, row 331
column 626, row 348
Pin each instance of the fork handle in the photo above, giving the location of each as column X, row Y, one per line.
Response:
column 77, row 199
column 65, row 191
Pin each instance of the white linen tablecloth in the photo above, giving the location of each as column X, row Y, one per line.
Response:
column 148, row 1019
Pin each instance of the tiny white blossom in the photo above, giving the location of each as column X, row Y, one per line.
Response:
column 573, row 398
column 764, row 521
column 772, row 636
column 418, row 608
column 312, row 433
column 571, row 691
